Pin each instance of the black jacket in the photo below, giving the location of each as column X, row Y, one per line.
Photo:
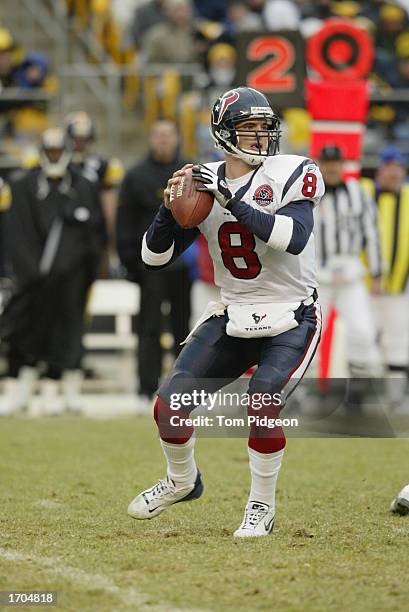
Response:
column 36, row 203
column 140, row 196
column 44, row 318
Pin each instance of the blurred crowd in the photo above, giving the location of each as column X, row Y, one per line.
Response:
column 18, row 69
column 26, row 85
column 205, row 33
column 178, row 55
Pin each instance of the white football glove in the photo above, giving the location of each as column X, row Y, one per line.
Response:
column 212, row 183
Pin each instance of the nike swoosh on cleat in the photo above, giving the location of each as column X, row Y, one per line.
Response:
column 268, row 526
column 147, row 503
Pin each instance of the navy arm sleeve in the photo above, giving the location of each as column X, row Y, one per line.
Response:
column 163, row 236
column 266, row 227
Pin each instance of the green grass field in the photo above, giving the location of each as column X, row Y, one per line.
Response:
column 66, row 483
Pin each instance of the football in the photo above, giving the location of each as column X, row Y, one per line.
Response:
column 188, row 206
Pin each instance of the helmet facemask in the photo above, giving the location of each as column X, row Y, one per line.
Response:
column 264, row 142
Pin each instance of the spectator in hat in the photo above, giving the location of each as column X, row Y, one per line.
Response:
column 145, row 17
column 398, row 78
column 32, row 71
column 177, row 29
column 391, row 25
column 221, row 60
column 391, row 173
column 392, row 22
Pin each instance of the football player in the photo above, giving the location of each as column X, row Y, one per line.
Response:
column 106, row 174
column 54, row 235
column 260, row 238
column 81, row 130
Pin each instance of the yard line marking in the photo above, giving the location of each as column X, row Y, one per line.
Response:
column 128, row 596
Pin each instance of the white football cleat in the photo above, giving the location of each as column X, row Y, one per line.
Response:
column 71, row 384
column 50, row 401
column 17, row 392
column 163, row 494
column 258, row 521
column 400, row 504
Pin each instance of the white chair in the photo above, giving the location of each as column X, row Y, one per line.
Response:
column 120, row 299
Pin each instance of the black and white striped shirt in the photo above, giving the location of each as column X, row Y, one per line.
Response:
column 345, row 224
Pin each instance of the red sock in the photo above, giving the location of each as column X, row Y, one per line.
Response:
column 262, row 438
column 172, row 433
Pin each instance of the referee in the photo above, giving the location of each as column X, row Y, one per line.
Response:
column 345, row 224
column 391, row 193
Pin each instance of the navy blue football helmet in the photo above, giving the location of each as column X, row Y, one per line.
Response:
column 235, row 106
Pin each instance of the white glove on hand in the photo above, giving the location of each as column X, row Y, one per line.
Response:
column 212, row 183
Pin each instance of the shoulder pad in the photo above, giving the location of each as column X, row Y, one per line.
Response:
column 213, row 165
column 296, row 178
column 279, row 167
column 114, row 172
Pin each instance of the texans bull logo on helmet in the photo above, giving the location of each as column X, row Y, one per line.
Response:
column 229, row 98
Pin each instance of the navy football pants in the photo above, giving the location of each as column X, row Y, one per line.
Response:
column 213, row 355
column 212, row 359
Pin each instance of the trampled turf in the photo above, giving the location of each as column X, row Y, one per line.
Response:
column 66, row 483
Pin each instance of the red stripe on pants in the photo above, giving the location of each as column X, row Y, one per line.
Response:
column 325, row 348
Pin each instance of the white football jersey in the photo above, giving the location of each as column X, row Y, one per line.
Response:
column 247, row 270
